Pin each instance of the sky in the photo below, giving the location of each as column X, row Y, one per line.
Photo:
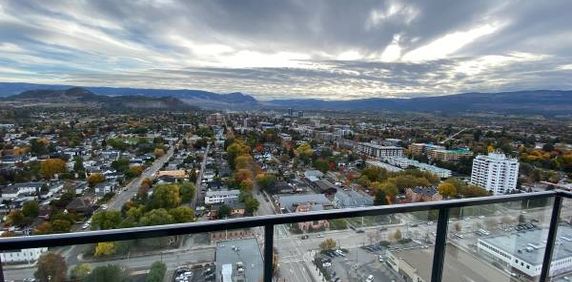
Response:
column 324, row 49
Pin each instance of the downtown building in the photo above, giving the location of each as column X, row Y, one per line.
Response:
column 495, row 172
column 377, row 151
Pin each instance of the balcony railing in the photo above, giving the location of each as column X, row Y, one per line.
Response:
column 269, row 222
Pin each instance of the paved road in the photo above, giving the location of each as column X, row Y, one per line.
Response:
column 172, row 258
column 133, row 187
column 200, row 177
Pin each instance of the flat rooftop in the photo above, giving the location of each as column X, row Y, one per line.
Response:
column 532, row 244
column 459, row 266
column 245, row 251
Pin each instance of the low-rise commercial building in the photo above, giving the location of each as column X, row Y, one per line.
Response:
column 524, row 251
column 217, row 197
column 377, row 151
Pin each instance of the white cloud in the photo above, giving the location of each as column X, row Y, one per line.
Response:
column 392, row 52
column 449, row 43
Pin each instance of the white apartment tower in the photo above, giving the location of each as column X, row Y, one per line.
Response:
column 495, row 172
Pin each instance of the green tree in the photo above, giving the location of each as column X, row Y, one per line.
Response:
column 305, row 151
column 51, row 267
column 165, row 196
column 157, row 272
column 80, row 272
column 380, row 198
column 156, row 217
column 251, row 204
column 103, row 220
column 187, row 191
column 108, row 273
column 30, row 209
column 104, row 249
column 223, row 211
column 182, row 214
column 78, row 165
column 265, row 180
column 121, row 165
column 61, row 226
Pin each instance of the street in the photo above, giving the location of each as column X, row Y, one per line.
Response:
column 131, row 189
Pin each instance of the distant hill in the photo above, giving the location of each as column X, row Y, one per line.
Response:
column 537, row 102
column 82, row 98
column 544, row 102
column 199, row 98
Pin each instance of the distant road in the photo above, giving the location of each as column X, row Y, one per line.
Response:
column 133, row 187
column 172, row 259
column 200, row 177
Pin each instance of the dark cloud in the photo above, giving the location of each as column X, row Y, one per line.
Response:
column 276, row 49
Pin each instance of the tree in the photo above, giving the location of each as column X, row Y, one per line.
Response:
column 187, row 191
column 104, row 249
column 104, row 220
column 242, row 174
column 157, row 272
column 39, row 146
column 182, row 214
column 397, row 235
column 108, row 273
column 223, row 211
column 159, row 152
column 548, row 147
column 304, row 151
column 251, row 204
column 95, row 178
column 51, row 167
column 30, row 209
column 246, row 185
column 458, row 227
column 78, row 165
column 328, row 244
column 265, row 180
column 15, row 218
column 61, row 226
column 380, row 198
column 447, row 190
column 80, row 272
column 121, row 165
column 165, row 196
column 134, row 171
column 156, row 217
column 51, row 267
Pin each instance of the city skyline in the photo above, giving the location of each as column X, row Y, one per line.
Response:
column 327, row 50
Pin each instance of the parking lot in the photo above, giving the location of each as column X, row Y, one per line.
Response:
column 357, row 264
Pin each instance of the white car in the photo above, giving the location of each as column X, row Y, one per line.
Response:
column 369, row 278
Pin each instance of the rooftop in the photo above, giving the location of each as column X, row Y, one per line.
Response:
column 245, row 251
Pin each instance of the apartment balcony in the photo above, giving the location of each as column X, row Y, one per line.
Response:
column 525, row 237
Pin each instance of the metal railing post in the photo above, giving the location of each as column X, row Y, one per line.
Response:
column 268, row 252
column 552, row 231
column 1, row 270
column 440, row 243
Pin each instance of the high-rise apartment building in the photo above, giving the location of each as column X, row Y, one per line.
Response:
column 495, row 172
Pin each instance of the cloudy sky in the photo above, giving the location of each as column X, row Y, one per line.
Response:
column 284, row 49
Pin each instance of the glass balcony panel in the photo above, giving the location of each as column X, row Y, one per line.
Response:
column 369, row 248
column 497, row 242
column 198, row 257
column 561, row 265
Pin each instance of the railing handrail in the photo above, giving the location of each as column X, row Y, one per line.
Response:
column 64, row 239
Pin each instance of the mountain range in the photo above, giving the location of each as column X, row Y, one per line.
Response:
column 536, row 102
column 77, row 97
